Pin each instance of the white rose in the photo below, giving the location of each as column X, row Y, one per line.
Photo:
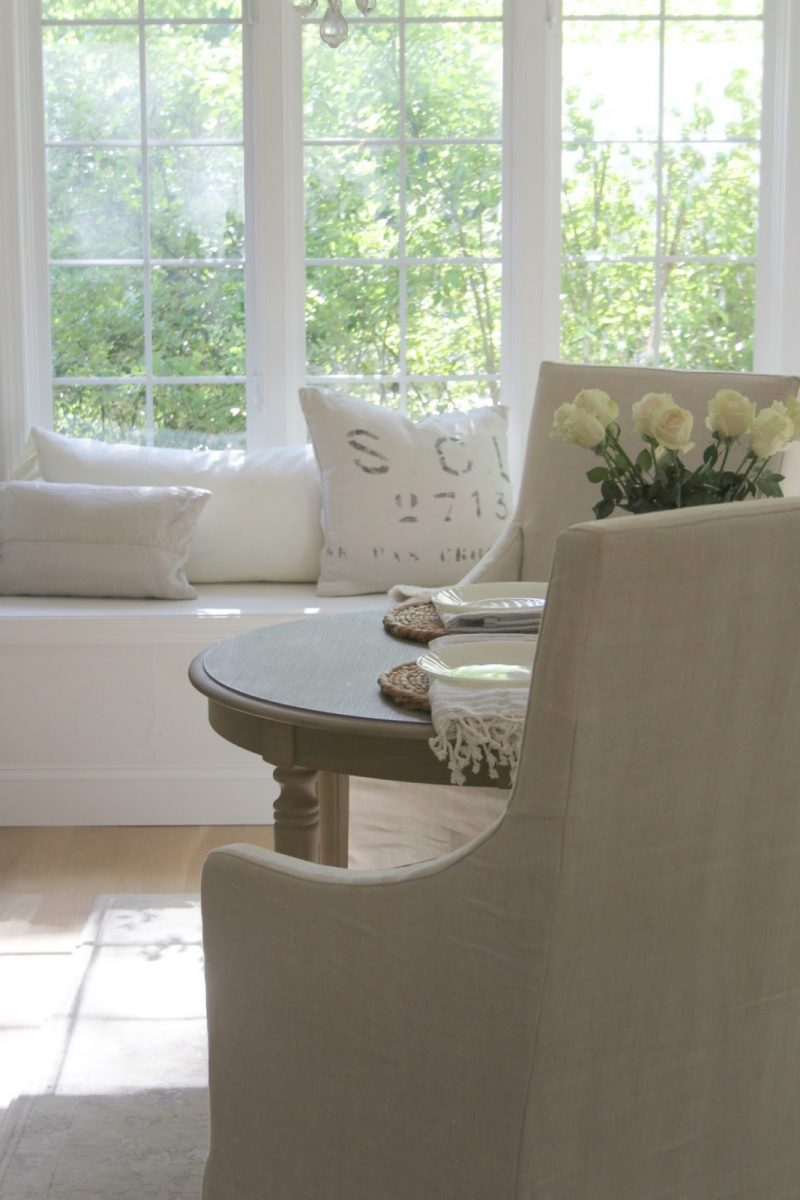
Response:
column 793, row 409
column 673, row 428
column 772, row 430
column 577, row 427
column 598, row 404
column 647, row 411
column 730, row 414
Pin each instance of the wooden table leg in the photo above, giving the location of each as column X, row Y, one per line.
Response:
column 296, row 813
column 333, row 793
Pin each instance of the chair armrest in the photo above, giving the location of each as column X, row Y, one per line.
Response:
column 364, row 1019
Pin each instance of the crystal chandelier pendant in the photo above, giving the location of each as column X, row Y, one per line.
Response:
column 333, row 27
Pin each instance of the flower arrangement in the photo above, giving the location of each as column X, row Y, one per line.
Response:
column 657, row 478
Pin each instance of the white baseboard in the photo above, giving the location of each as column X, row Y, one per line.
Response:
column 136, row 796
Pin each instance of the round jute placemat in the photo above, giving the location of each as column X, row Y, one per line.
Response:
column 414, row 622
column 406, row 684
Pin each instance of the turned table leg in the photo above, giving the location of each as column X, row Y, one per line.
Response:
column 296, row 813
column 333, row 793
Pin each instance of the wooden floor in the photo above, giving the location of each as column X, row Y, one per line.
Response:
column 59, row 871
column 49, row 879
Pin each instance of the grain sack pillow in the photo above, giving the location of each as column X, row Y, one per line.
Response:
column 70, row 539
column 260, row 525
column 401, row 500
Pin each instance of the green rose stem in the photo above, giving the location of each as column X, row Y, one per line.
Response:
column 757, row 475
column 632, row 471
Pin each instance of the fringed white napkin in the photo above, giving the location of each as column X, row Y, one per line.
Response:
column 407, row 594
column 511, row 621
column 476, row 725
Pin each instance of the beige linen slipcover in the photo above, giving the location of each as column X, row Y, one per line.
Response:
column 599, row 997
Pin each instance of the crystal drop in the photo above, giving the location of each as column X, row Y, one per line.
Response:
column 305, row 7
column 365, row 6
column 333, row 27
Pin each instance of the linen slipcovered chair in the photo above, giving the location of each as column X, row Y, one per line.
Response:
column 599, row 997
column 554, row 491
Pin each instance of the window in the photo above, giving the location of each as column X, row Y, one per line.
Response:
column 402, row 136
column 145, row 165
column 236, row 209
column 403, row 151
column 661, row 116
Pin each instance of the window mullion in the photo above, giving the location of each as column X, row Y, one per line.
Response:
column 659, row 264
column 401, row 228
column 777, row 336
column 147, row 280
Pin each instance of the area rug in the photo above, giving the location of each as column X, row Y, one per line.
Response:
column 122, row 1111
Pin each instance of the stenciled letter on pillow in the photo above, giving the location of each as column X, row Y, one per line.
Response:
column 404, row 501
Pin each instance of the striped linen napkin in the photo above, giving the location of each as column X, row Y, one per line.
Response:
column 476, row 726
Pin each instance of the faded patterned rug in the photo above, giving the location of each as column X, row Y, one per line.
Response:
column 122, row 1111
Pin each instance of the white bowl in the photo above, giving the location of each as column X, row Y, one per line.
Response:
column 491, row 663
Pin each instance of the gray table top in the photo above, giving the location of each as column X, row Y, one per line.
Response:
column 315, row 669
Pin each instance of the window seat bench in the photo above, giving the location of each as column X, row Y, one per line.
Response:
column 99, row 724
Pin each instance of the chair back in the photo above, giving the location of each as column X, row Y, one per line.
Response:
column 554, row 491
column 657, row 805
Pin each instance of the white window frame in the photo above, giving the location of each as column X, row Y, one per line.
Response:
column 275, row 279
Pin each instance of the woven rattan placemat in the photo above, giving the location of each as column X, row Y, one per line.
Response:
column 406, row 684
column 414, row 622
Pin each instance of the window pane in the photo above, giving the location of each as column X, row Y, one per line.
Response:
column 198, row 320
column 425, row 399
column 193, row 9
column 453, row 205
column 194, row 82
column 352, row 320
column 354, row 93
column 453, row 320
column 352, row 196
column 453, row 8
column 611, row 70
column 91, row 82
column 709, row 315
column 111, row 414
column 200, row 416
column 454, row 79
column 710, row 200
column 197, row 202
column 95, row 203
column 611, row 8
column 607, row 312
column 89, row 10
column 608, row 201
column 714, row 8
column 712, row 78
column 97, row 320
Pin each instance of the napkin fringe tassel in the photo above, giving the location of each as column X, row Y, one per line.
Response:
column 467, row 741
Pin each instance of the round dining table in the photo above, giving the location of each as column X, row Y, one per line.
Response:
column 304, row 695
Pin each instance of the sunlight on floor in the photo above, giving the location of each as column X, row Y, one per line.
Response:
column 125, row 1011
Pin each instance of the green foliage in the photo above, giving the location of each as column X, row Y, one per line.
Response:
column 658, row 479
column 357, row 323
column 685, row 314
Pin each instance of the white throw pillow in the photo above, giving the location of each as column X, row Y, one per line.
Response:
column 418, row 503
column 67, row 539
column 261, row 524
